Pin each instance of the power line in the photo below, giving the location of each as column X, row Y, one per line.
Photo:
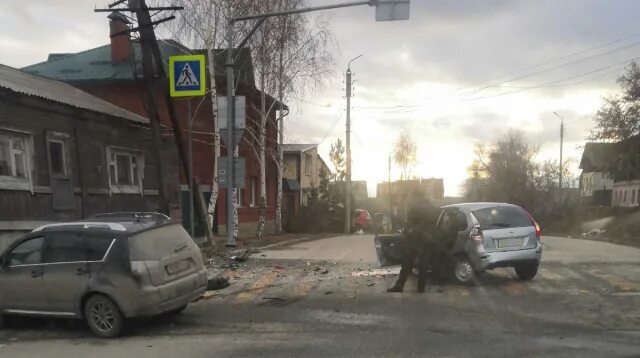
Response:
column 333, row 126
column 550, row 83
column 553, row 60
column 559, row 66
column 556, row 59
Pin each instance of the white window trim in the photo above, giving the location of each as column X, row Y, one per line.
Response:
column 253, row 194
column 10, row 182
column 115, row 188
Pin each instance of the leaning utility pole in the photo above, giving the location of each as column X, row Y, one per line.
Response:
column 153, row 69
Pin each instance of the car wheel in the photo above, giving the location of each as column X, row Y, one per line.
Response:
column 526, row 272
column 103, row 316
column 463, row 271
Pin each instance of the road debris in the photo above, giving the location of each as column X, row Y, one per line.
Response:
column 242, row 257
column 317, row 269
column 230, row 265
column 328, row 292
column 273, row 298
column 370, row 284
column 217, row 283
column 324, row 272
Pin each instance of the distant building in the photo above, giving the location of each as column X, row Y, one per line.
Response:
column 359, row 192
column 626, row 173
column 596, row 184
column 611, row 173
column 303, row 171
column 404, row 193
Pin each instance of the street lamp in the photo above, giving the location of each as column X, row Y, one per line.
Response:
column 347, row 200
column 561, row 139
column 386, row 10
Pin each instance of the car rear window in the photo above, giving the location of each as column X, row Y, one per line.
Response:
column 501, row 217
column 157, row 243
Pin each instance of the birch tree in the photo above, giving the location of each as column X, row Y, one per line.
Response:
column 290, row 56
column 286, row 51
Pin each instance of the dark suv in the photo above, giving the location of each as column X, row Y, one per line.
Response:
column 103, row 271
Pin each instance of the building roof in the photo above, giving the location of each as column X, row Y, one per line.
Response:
column 597, row 156
column 298, row 148
column 20, row 82
column 95, row 64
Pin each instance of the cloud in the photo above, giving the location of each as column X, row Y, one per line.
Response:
column 444, row 75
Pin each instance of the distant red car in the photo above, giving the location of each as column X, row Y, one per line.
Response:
column 361, row 220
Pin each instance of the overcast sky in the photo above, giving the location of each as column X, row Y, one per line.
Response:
column 457, row 73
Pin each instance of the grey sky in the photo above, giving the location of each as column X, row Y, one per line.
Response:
column 426, row 75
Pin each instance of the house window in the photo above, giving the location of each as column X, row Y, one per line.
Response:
column 624, row 198
column 254, row 191
column 125, row 170
column 240, row 197
column 57, row 157
column 308, row 162
column 14, row 161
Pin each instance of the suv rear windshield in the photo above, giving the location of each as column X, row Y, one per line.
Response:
column 157, row 243
column 501, row 217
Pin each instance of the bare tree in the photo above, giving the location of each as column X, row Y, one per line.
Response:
column 290, row 55
column 405, row 153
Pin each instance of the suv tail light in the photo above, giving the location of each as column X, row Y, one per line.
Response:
column 140, row 271
column 535, row 224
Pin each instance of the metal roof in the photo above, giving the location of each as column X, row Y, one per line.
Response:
column 56, row 91
column 298, row 147
column 95, row 64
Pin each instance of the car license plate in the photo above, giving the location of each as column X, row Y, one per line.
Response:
column 510, row 242
column 177, row 267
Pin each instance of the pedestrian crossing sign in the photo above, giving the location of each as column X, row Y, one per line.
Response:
column 186, row 76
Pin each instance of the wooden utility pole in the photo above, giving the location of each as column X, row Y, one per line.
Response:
column 153, row 70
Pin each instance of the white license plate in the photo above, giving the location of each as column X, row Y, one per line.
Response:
column 510, row 242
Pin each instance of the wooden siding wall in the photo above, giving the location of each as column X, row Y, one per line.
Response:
column 86, row 160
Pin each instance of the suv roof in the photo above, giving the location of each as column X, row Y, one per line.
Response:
column 131, row 216
column 115, row 222
column 476, row 206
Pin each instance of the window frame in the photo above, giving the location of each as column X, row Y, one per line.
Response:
column 65, row 167
column 253, row 185
column 136, row 171
column 308, row 164
column 6, row 260
column 13, row 182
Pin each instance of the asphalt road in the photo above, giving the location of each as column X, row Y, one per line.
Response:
column 327, row 298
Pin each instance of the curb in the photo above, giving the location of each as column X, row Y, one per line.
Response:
column 277, row 244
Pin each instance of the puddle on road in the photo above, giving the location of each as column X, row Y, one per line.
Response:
column 376, row 272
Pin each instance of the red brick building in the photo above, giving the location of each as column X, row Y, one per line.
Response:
column 112, row 72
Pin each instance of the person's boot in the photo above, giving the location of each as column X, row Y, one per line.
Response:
column 396, row 288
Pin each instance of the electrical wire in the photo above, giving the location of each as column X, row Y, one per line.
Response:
column 542, row 85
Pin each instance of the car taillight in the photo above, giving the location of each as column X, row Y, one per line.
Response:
column 139, row 269
column 535, row 224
